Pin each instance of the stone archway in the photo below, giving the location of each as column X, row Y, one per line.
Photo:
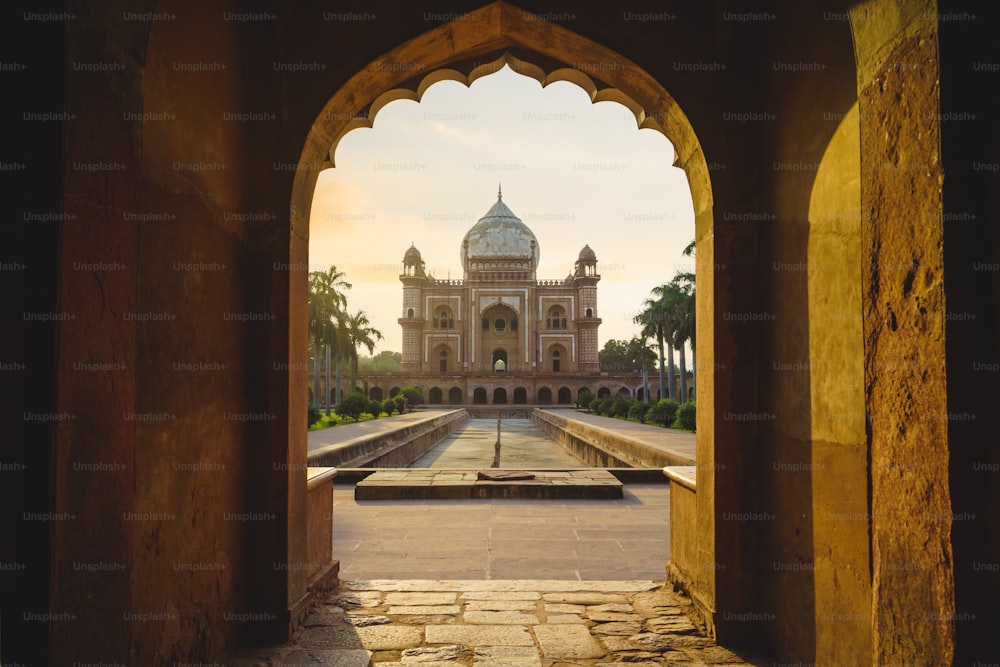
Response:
column 544, row 396
column 565, row 396
column 499, row 396
column 434, row 396
column 479, row 396
column 898, row 473
column 455, row 396
column 520, row 396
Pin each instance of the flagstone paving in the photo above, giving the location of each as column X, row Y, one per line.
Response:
column 512, row 623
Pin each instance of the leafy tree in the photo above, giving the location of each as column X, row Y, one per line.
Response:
column 595, row 405
column 412, row 395
column 375, row 408
column 384, row 361
column 584, row 398
column 400, row 401
column 613, row 356
column 389, row 405
column 352, row 405
column 623, row 356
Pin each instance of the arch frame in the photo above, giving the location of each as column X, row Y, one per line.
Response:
column 501, row 34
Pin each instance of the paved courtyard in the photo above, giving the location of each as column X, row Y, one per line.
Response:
column 409, row 623
column 499, row 538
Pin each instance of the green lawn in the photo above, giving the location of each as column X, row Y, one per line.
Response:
column 335, row 420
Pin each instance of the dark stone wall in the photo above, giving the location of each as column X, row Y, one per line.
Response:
column 970, row 138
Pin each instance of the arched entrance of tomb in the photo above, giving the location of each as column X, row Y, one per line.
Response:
column 455, row 396
column 375, row 393
column 544, row 396
column 499, row 396
column 499, row 361
column 479, row 396
column 520, row 396
column 565, row 395
column 500, row 337
column 434, row 396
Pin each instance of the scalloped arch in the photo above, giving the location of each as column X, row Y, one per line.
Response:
column 365, row 118
column 495, row 35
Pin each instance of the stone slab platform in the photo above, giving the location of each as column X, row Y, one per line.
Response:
column 432, row 484
column 512, row 623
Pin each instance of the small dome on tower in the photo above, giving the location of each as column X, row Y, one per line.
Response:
column 413, row 263
column 587, row 254
column 412, row 255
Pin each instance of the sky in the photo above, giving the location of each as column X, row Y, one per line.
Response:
column 574, row 172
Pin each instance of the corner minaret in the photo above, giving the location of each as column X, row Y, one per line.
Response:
column 414, row 278
column 585, row 278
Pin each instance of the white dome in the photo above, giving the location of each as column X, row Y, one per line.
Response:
column 499, row 235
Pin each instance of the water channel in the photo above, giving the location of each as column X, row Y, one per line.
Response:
column 523, row 446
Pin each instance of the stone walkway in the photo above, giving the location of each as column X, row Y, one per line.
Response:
column 428, row 623
column 498, row 538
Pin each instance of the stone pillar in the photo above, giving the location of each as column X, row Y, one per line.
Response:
column 904, row 306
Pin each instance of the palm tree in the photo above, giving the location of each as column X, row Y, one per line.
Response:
column 669, row 296
column 690, row 315
column 326, row 303
column 654, row 321
column 357, row 331
column 682, row 320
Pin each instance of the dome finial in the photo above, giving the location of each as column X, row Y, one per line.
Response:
column 499, row 192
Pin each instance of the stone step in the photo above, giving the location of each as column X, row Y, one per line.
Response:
column 431, row 484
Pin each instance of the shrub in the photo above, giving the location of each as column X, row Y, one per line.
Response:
column 375, row 408
column 639, row 410
column 400, row 402
column 389, row 405
column 595, row 405
column 685, row 417
column 352, row 405
column 412, row 395
column 604, row 406
column 314, row 415
column 584, row 399
column 664, row 412
column 620, row 407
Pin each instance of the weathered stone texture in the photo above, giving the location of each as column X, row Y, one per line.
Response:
column 904, row 317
